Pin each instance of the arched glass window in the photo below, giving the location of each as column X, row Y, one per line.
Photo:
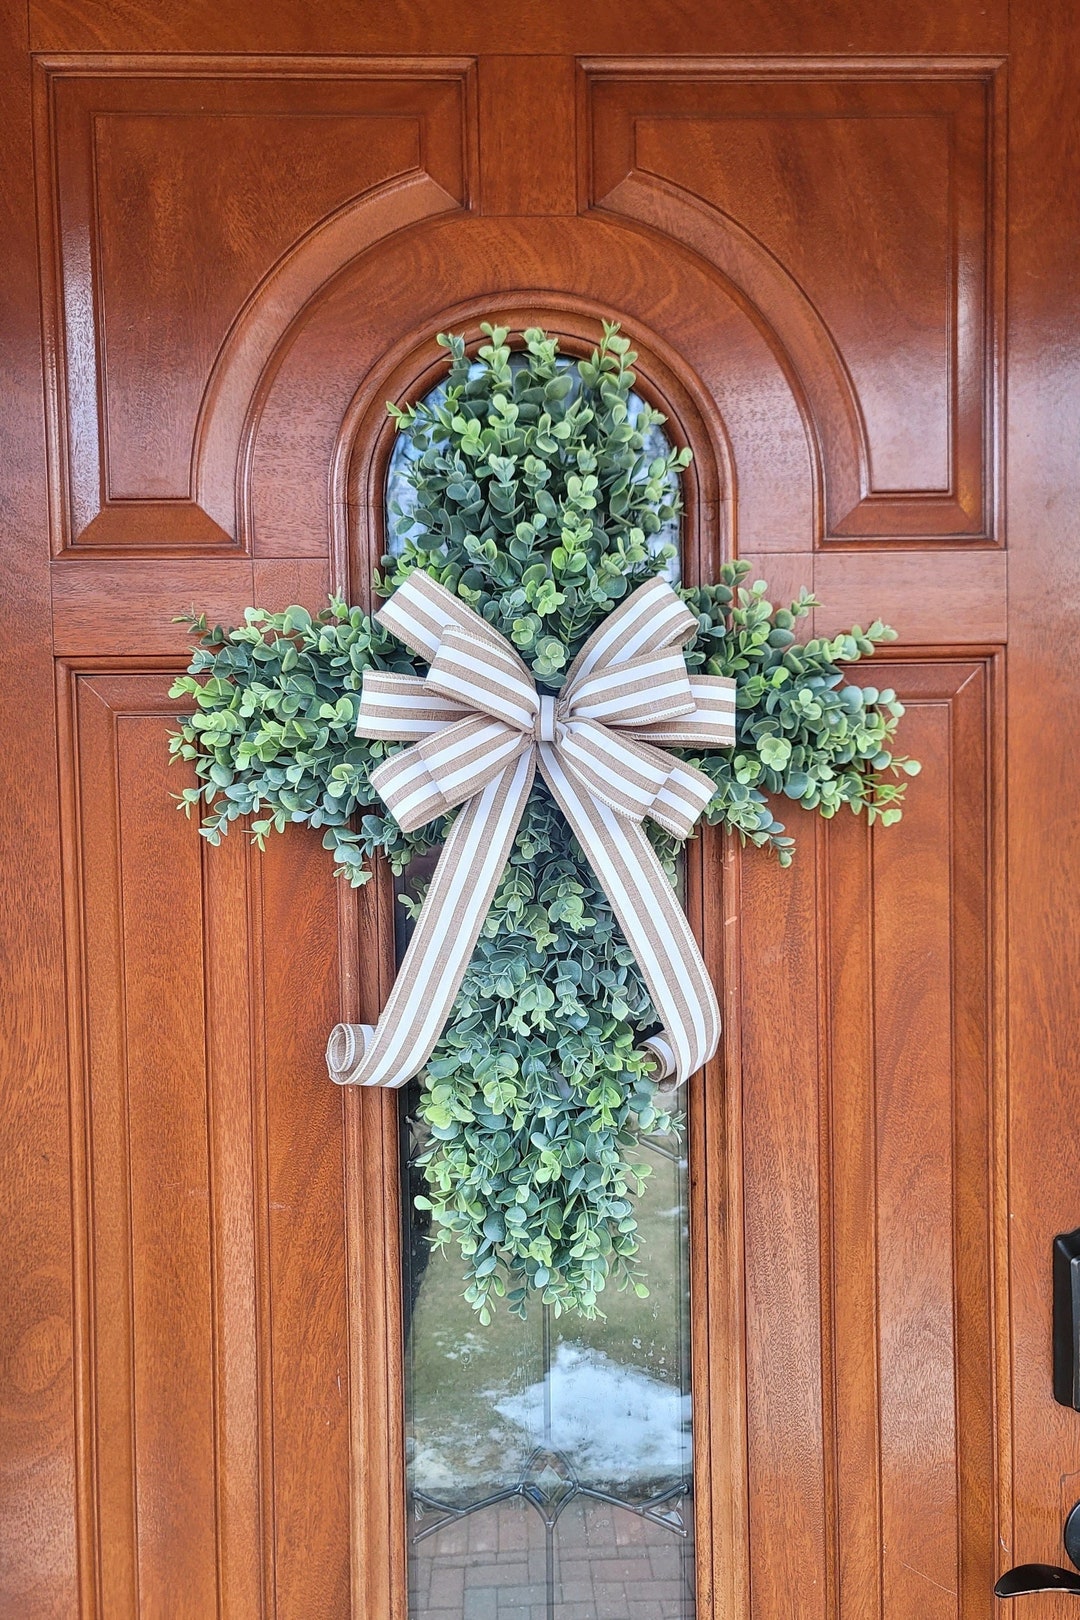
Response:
column 549, row 1462
column 400, row 496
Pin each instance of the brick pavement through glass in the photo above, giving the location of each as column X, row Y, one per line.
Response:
column 609, row 1564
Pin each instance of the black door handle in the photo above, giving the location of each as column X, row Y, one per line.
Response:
column 1067, row 1319
column 1027, row 1578
column 1049, row 1577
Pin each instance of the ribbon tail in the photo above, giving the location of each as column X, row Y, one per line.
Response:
column 470, row 867
column 653, row 922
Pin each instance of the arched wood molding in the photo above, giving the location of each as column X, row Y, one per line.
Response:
column 229, row 414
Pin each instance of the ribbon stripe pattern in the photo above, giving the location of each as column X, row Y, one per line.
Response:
column 480, row 730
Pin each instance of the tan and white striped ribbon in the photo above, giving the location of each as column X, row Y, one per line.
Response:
column 480, row 729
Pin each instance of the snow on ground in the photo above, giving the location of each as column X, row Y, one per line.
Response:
column 613, row 1423
column 618, row 1428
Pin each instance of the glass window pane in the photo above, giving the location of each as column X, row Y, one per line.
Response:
column 401, row 497
column 490, row 1565
column 549, row 1462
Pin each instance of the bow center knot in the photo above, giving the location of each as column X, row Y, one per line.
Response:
column 545, row 719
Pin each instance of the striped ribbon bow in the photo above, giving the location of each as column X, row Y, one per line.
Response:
column 480, row 729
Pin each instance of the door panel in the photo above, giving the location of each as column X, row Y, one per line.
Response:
column 148, row 252
column 148, row 1168
column 868, row 1111
column 211, row 1219
column 246, row 230
column 912, row 1100
column 856, row 205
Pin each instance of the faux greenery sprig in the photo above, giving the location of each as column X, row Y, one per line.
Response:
column 538, row 493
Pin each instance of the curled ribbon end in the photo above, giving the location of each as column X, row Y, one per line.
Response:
column 341, row 1050
column 664, row 1074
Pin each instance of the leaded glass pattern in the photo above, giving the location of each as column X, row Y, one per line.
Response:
column 549, row 1463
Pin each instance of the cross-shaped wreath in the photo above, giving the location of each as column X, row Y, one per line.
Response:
column 538, row 670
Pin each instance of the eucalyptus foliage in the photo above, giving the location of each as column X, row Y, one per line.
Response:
column 535, row 496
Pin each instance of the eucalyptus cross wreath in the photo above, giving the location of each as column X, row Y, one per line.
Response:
column 540, row 499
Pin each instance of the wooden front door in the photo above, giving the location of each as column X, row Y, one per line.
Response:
column 842, row 240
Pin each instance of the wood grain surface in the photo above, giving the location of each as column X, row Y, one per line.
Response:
column 231, row 233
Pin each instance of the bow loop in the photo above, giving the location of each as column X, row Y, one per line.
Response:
column 642, row 690
column 650, row 618
column 634, row 778
column 403, row 708
column 492, row 679
column 479, row 729
column 421, row 612
column 711, row 725
column 444, row 770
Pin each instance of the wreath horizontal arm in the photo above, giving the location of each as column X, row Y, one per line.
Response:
column 272, row 735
